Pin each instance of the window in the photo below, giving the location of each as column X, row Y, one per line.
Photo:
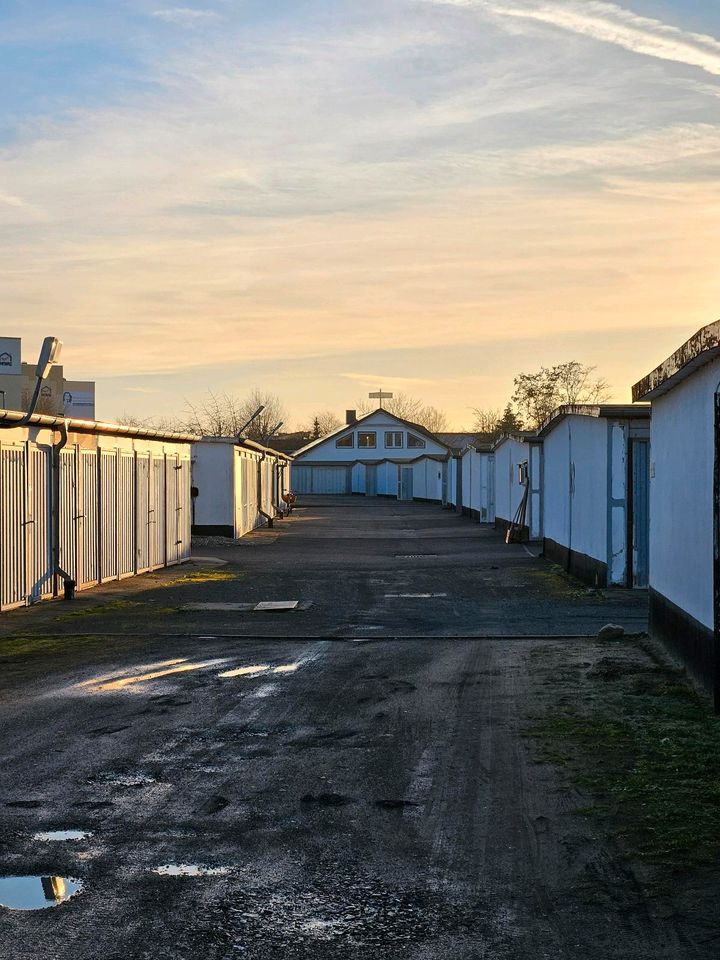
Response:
column 414, row 441
column 346, row 441
column 393, row 438
column 367, row 439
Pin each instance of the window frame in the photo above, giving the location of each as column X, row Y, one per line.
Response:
column 395, row 434
column 340, row 445
column 414, row 442
column 367, row 446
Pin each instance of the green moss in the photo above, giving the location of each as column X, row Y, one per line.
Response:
column 92, row 610
column 646, row 744
column 206, row 576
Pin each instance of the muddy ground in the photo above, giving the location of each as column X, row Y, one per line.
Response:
column 359, row 777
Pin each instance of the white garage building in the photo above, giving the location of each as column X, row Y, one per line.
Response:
column 595, row 463
column 518, row 483
column 237, row 486
column 375, row 455
column 685, row 503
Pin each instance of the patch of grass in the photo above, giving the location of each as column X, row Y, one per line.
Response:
column 207, row 576
column 97, row 609
column 557, row 582
column 643, row 741
column 19, row 646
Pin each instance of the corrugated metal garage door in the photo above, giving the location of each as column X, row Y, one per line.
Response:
column 330, row 480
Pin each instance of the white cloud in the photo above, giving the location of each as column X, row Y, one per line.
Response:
column 614, row 24
column 183, row 15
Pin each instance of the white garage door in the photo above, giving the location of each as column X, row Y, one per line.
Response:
column 309, row 479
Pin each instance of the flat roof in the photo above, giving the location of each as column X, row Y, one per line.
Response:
column 95, row 426
column 615, row 411
column 701, row 348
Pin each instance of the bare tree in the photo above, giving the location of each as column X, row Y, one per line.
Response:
column 323, row 423
column 433, row 419
column 486, row 420
column 538, row 394
column 171, row 423
column 224, row 415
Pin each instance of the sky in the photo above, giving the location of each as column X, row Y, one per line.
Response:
column 325, row 198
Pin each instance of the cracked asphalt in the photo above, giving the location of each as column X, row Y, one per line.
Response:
column 351, row 778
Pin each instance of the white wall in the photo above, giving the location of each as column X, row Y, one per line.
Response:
column 509, row 454
column 453, row 467
column 681, row 494
column 427, row 479
column 212, row 474
column 387, row 479
column 478, row 484
column 358, row 478
column 575, row 467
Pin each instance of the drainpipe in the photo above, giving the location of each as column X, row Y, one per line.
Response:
column 68, row 581
column 259, row 490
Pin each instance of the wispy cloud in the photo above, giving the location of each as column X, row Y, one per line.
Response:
column 183, row 15
column 611, row 23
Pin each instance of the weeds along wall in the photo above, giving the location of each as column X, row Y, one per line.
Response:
column 123, row 507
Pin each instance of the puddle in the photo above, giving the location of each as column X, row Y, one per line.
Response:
column 245, row 671
column 255, row 671
column 53, row 836
column 190, row 870
column 277, row 605
column 168, row 668
column 36, row 892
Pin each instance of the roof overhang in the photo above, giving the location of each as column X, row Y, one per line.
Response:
column 702, row 348
column 611, row 411
column 247, row 445
column 95, row 426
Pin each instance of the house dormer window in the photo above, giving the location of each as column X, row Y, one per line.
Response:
column 367, row 439
column 347, row 441
column 393, row 438
column 415, row 441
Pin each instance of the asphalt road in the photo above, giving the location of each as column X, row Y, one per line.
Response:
column 352, row 777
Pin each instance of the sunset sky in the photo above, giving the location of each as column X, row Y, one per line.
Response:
column 320, row 198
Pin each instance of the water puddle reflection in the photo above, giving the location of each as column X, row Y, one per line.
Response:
column 37, row 892
column 245, row 671
column 166, row 669
column 190, row 870
column 257, row 669
column 59, row 835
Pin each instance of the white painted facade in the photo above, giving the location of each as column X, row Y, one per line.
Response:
column 377, row 455
column 685, row 503
column 108, row 503
column 516, row 458
column 478, row 484
column 681, row 494
column 239, row 487
column 585, row 490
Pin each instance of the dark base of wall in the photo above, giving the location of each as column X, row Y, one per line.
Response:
column 213, row 530
column 426, row 500
column 580, row 565
column 690, row 640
